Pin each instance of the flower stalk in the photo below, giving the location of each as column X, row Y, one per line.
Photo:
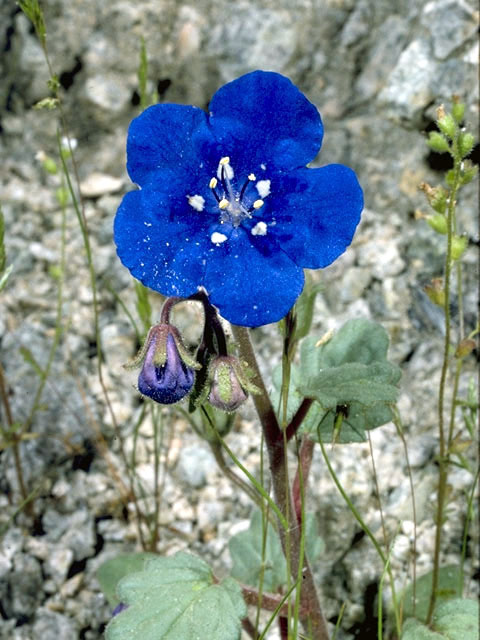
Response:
column 274, row 440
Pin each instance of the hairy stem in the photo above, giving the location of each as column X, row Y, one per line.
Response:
column 274, row 440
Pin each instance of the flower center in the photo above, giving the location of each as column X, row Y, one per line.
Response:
column 236, row 205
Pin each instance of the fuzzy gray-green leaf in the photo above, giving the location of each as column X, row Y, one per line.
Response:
column 176, row 597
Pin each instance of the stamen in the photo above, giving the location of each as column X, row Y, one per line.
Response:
column 225, row 160
column 196, row 202
column 224, row 203
column 263, row 188
column 257, row 204
column 213, row 183
column 218, row 238
column 252, row 177
column 260, row 229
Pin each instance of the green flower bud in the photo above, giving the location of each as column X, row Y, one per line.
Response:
column 62, row 195
column 436, row 196
column 438, row 223
column 450, row 177
column 50, row 165
column 229, row 383
column 447, row 125
column 438, row 142
column 465, row 144
column 465, row 347
column 459, row 244
column 458, row 109
column 469, row 172
column 436, row 292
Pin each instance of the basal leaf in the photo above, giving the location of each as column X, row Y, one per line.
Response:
column 453, row 620
column 176, row 597
column 246, row 552
column 112, row 571
column 448, row 587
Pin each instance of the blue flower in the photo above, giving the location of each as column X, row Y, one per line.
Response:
column 226, row 202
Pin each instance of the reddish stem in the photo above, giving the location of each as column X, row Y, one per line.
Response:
column 304, row 463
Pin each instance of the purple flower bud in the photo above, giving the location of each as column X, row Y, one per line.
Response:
column 167, row 374
column 121, row 606
column 229, row 383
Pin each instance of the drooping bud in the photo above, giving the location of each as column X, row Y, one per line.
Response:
column 446, row 123
column 459, row 244
column 436, row 196
column 436, row 292
column 438, row 223
column 167, row 368
column 437, row 142
column 229, row 383
column 465, row 143
column 465, row 348
column 458, row 109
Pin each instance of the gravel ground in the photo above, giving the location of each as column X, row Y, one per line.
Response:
column 376, row 75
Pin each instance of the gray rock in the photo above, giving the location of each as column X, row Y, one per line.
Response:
column 50, row 625
column 25, row 583
column 195, row 463
column 451, row 23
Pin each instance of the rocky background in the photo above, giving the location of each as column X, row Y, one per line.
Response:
column 376, row 70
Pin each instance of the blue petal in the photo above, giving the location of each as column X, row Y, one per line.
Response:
column 262, row 118
column 162, row 242
column 165, row 137
column 316, row 214
column 251, row 281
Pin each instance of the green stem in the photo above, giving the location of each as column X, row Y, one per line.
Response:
column 274, row 440
column 443, row 443
column 366, row 529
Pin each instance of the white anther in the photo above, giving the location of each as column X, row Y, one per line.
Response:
column 223, row 204
column 225, row 168
column 252, row 177
column 263, row 188
column 197, row 202
column 260, row 229
column 218, row 238
column 213, row 183
column 257, row 204
column 263, row 166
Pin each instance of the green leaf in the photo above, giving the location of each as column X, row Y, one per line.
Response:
column 144, row 308
column 31, row 8
column 352, row 382
column 174, row 598
column 348, row 375
column 449, row 579
column 304, row 308
column 246, row 552
column 453, row 620
column 112, row 571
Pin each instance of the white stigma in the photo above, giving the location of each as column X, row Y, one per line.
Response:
column 260, row 229
column 218, row 238
column 197, row 202
column 263, row 188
